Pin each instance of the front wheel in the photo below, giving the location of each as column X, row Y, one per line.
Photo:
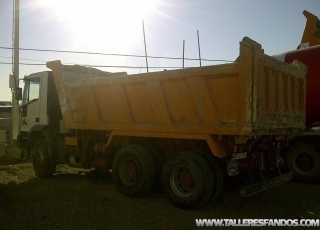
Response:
column 43, row 165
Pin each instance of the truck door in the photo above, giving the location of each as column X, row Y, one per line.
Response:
column 30, row 109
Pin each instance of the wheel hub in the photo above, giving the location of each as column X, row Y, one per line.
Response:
column 39, row 156
column 129, row 171
column 132, row 170
column 305, row 162
column 186, row 181
column 182, row 181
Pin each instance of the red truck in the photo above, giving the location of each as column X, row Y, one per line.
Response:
column 303, row 155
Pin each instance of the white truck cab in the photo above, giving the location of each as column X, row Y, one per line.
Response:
column 39, row 112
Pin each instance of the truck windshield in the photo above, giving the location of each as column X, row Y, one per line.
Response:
column 31, row 91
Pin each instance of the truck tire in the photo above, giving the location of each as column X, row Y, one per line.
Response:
column 217, row 174
column 187, row 180
column 159, row 160
column 43, row 165
column 304, row 161
column 134, row 171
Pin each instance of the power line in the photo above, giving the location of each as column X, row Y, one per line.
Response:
column 27, row 59
column 7, row 63
column 120, row 55
column 101, row 66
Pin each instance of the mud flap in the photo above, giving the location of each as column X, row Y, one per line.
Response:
column 264, row 185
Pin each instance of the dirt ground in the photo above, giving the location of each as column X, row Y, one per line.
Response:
column 84, row 199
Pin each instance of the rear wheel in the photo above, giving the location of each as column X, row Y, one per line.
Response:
column 43, row 165
column 217, row 174
column 187, row 180
column 133, row 171
column 159, row 160
column 304, row 160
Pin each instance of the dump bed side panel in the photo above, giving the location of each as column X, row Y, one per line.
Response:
column 281, row 90
column 223, row 99
column 191, row 101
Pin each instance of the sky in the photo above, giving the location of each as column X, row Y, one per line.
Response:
column 115, row 27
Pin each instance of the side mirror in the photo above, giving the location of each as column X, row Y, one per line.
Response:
column 18, row 94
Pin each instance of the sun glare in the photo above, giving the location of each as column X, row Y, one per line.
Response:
column 94, row 8
column 94, row 19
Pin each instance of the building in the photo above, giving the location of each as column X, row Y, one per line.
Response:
column 5, row 125
column 5, row 103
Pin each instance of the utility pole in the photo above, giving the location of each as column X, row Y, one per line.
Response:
column 15, row 101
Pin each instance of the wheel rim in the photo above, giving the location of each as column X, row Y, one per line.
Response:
column 182, row 181
column 129, row 171
column 305, row 162
column 38, row 158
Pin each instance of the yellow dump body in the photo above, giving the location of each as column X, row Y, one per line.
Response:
column 255, row 95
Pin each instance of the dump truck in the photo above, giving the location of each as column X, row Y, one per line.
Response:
column 303, row 155
column 311, row 33
column 183, row 131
